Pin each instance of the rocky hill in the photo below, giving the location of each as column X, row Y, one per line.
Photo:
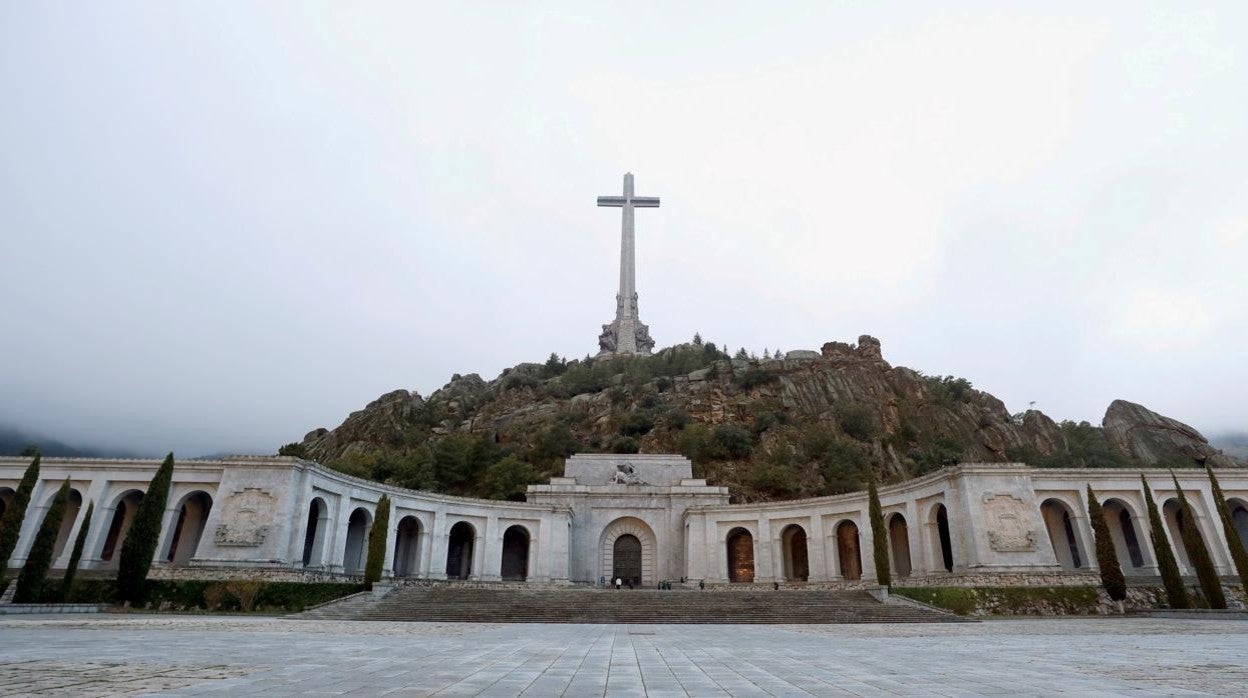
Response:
column 802, row 425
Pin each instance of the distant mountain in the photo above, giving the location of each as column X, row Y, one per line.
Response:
column 13, row 441
column 1233, row 443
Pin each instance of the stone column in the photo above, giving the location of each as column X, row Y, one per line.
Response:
column 764, row 564
column 915, row 529
column 298, row 527
column 392, row 536
column 492, row 563
column 437, row 558
column 1213, row 531
column 340, row 523
column 816, row 563
column 423, row 553
column 866, row 548
column 34, row 518
column 168, row 521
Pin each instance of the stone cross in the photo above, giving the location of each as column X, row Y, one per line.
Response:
column 626, row 334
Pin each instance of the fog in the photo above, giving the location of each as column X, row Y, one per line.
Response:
column 225, row 224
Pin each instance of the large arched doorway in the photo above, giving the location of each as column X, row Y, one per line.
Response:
column 1173, row 514
column 796, row 564
column 1122, row 530
column 407, row 547
column 847, row 550
column 740, row 555
column 459, row 549
column 515, row 565
column 899, row 545
column 1060, row 523
column 314, row 533
column 354, row 557
column 944, row 539
column 626, row 560
column 124, row 509
column 641, row 548
column 72, row 507
column 189, row 527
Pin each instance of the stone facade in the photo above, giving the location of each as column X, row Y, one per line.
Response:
column 644, row 517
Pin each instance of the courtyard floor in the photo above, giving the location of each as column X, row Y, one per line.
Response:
column 184, row 655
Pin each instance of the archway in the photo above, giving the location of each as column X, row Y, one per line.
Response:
column 847, row 551
column 645, row 572
column 899, row 545
column 459, row 550
column 1239, row 516
column 314, row 533
column 1173, row 515
column 192, row 519
column 6, row 496
column 740, row 555
column 72, row 507
column 407, row 547
column 626, row 560
column 1121, row 523
column 944, row 540
column 1061, row 527
column 515, row 565
column 126, row 506
column 353, row 557
column 796, row 565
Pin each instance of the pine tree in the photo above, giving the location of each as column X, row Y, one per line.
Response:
column 1198, row 552
column 35, row 571
column 11, row 522
column 1238, row 553
column 1106, row 559
column 1176, row 592
column 140, row 544
column 377, row 542
column 879, row 536
column 67, row 583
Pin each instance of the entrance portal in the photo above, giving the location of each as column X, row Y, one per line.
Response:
column 627, row 560
column 740, row 556
column 459, row 551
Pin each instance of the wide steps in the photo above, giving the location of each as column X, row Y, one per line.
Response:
column 432, row 604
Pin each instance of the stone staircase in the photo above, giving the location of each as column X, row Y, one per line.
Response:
column 475, row 605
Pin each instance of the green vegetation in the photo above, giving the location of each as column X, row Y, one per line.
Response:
column 755, row 377
column 141, row 540
column 509, row 478
column 624, row 444
column 72, row 570
column 377, row 542
column 293, row 449
column 287, row 597
column 857, row 422
column 1198, row 552
column 879, row 534
column 1176, row 592
column 1238, row 553
column 1006, row 600
column 11, row 522
column 1106, row 558
column 39, row 559
column 949, row 391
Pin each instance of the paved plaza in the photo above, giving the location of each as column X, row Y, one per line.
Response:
column 184, row 655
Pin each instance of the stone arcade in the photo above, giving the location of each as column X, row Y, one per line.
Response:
column 644, row 518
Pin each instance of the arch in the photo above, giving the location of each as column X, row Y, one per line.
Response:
column 192, row 520
column 942, row 544
column 353, row 557
column 628, row 526
column 459, row 548
column 740, row 555
column 847, row 550
column 1172, row 513
column 515, row 565
column 407, row 547
column 72, row 507
column 314, row 533
column 1120, row 519
column 1239, row 516
column 124, row 508
column 795, row 564
column 626, row 559
column 1060, row 522
column 899, row 545
column 6, row 496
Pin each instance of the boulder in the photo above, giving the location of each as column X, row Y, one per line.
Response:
column 1153, row 439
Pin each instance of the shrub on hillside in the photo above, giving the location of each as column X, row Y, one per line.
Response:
column 857, row 422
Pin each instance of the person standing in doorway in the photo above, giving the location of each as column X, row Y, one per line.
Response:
column 619, row 583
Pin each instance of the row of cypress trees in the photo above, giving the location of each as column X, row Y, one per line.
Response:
column 1197, row 551
column 136, row 551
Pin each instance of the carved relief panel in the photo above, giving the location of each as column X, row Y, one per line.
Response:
column 1009, row 524
column 248, row 515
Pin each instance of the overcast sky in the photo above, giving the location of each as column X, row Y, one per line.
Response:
column 225, row 224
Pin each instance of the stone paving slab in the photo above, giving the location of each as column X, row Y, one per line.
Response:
column 238, row 656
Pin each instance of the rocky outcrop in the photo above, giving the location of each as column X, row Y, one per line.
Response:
column 1152, row 439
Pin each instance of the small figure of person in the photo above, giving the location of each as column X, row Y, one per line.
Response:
column 602, row 581
column 702, row 584
column 775, row 585
column 619, row 583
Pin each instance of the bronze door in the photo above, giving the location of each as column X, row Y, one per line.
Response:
column 626, row 561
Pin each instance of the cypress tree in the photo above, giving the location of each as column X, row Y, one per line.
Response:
column 35, row 571
column 11, row 522
column 1106, row 558
column 377, row 542
column 144, row 534
column 1176, row 592
column 1238, row 553
column 70, row 572
column 1198, row 552
column 879, row 536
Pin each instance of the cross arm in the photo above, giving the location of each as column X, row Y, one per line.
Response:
column 616, row 201
column 646, row 201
